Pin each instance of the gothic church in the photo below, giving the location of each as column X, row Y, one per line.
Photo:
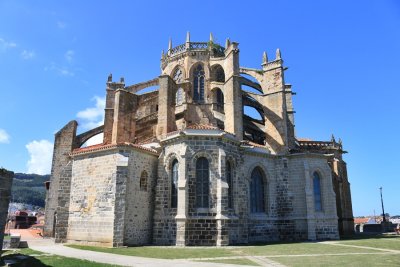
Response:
column 186, row 164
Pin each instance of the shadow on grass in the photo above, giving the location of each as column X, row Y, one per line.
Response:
column 22, row 260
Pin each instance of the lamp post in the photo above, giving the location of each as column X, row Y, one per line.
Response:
column 383, row 209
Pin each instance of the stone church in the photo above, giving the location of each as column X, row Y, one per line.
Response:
column 210, row 158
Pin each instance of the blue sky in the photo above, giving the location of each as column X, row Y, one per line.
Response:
column 343, row 59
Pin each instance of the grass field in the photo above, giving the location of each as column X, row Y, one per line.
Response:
column 164, row 252
column 380, row 250
column 243, row 261
column 31, row 258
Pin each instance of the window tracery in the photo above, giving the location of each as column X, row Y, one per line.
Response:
column 198, row 84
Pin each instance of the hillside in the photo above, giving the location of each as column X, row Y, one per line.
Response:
column 29, row 189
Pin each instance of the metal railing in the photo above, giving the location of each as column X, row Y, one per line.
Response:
column 217, row 49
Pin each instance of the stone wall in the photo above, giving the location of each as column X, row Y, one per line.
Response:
column 107, row 206
column 92, row 202
column 6, row 178
column 139, row 202
column 59, row 187
column 289, row 201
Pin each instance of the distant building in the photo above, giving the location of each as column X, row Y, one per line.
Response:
column 360, row 222
column 184, row 165
column 22, row 220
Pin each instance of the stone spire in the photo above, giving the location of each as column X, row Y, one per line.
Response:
column 227, row 43
column 211, row 37
column 265, row 58
column 109, row 78
column 278, row 54
column 333, row 139
column 162, row 54
column 188, row 37
column 170, row 44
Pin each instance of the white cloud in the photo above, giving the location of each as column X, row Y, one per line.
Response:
column 63, row 71
column 97, row 139
column 27, row 54
column 69, row 55
column 41, row 153
column 4, row 136
column 4, row 44
column 93, row 116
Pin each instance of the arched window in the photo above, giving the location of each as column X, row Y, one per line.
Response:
column 202, row 182
column 218, row 74
column 229, row 181
column 174, row 184
column 220, row 99
column 198, row 84
column 317, row 192
column 178, row 78
column 143, row 181
column 257, row 201
column 178, row 75
column 179, row 96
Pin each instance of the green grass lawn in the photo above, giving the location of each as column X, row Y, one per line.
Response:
column 7, row 237
column 243, row 261
column 388, row 242
column 290, row 254
column 164, row 252
column 192, row 252
column 352, row 260
column 32, row 258
column 296, row 249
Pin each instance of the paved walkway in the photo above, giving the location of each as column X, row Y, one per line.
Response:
column 49, row 247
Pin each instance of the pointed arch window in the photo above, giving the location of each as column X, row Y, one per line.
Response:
column 178, row 75
column 202, row 183
column 198, row 84
column 218, row 74
column 257, row 197
column 317, row 192
column 143, row 181
column 220, row 99
column 174, row 184
column 229, row 181
column 179, row 96
column 178, row 78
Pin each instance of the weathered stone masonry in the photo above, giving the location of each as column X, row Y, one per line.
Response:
column 6, row 178
column 186, row 165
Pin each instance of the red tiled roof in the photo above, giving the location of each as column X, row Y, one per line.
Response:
column 172, row 133
column 255, row 144
column 148, row 141
column 97, row 147
column 202, row 127
column 205, row 127
column 360, row 220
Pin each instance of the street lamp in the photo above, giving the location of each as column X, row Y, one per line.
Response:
column 383, row 209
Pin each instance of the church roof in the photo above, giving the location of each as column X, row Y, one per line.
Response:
column 99, row 147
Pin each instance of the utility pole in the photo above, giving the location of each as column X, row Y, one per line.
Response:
column 383, row 209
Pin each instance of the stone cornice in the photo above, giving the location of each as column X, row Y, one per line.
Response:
column 107, row 147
